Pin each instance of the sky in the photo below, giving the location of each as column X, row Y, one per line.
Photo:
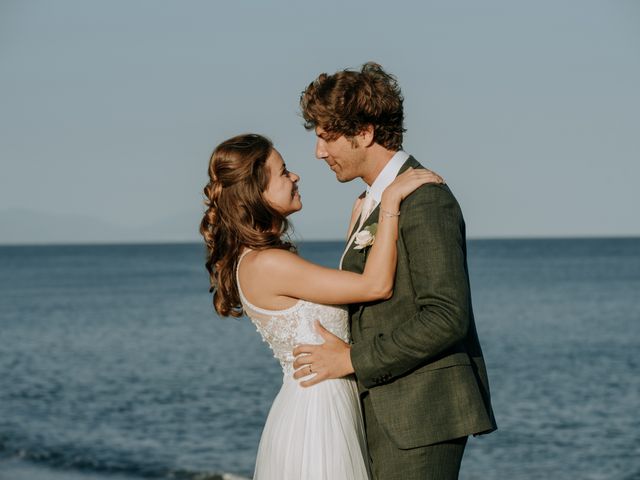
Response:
column 109, row 110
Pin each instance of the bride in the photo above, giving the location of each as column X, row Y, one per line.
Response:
column 316, row 432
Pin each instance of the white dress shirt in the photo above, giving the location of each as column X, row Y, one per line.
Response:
column 386, row 176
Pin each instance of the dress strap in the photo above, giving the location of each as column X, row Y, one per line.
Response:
column 242, row 255
column 253, row 307
column 243, row 299
column 244, row 252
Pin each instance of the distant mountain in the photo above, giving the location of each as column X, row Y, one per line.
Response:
column 178, row 227
column 23, row 226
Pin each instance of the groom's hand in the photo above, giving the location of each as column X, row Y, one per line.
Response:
column 331, row 359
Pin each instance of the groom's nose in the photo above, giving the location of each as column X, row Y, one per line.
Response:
column 321, row 151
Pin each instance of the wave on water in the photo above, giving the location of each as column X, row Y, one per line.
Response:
column 69, row 459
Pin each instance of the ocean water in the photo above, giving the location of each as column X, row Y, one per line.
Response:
column 113, row 364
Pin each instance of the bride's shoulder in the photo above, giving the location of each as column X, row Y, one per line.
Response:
column 270, row 259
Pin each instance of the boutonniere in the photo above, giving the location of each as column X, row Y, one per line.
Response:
column 366, row 237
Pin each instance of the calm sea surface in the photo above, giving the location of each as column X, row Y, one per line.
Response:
column 113, row 363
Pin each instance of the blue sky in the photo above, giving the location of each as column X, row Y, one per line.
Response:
column 109, row 110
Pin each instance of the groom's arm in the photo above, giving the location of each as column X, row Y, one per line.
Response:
column 432, row 231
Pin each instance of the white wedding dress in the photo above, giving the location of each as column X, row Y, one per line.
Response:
column 313, row 433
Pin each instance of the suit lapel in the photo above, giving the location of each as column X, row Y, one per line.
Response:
column 348, row 247
column 352, row 236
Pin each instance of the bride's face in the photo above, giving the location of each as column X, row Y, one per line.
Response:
column 282, row 190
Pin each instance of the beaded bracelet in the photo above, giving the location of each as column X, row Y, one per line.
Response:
column 388, row 214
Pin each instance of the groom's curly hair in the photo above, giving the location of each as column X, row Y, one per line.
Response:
column 346, row 102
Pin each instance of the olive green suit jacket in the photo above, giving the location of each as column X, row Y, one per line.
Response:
column 417, row 354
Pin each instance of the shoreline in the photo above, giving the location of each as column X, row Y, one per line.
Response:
column 15, row 469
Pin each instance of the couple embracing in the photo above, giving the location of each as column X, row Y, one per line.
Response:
column 383, row 372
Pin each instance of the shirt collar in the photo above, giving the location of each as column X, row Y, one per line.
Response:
column 387, row 175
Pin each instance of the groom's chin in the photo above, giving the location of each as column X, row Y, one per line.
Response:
column 342, row 179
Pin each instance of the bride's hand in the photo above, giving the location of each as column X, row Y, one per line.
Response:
column 406, row 183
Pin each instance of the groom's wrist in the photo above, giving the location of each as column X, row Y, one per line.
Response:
column 346, row 363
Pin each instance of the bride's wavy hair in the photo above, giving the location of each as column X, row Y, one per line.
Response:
column 238, row 215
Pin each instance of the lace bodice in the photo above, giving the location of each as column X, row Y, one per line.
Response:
column 282, row 330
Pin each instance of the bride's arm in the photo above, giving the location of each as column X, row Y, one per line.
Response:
column 283, row 273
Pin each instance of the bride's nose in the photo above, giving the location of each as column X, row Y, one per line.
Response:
column 295, row 177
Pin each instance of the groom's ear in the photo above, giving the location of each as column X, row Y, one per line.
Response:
column 366, row 136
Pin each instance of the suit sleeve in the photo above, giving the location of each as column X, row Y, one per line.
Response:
column 432, row 231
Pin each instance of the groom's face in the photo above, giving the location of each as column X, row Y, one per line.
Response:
column 344, row 156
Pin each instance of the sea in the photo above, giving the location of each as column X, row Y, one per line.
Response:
column 114, row 366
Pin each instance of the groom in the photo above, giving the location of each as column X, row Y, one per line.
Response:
column 416, row 357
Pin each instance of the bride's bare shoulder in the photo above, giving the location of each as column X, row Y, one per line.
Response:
column 270, row 259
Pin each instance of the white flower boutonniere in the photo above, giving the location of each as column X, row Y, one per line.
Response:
column 366, row 237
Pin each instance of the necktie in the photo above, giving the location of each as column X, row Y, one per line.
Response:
column 367, row 207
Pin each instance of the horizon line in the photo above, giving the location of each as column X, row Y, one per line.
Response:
column 338, row 240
